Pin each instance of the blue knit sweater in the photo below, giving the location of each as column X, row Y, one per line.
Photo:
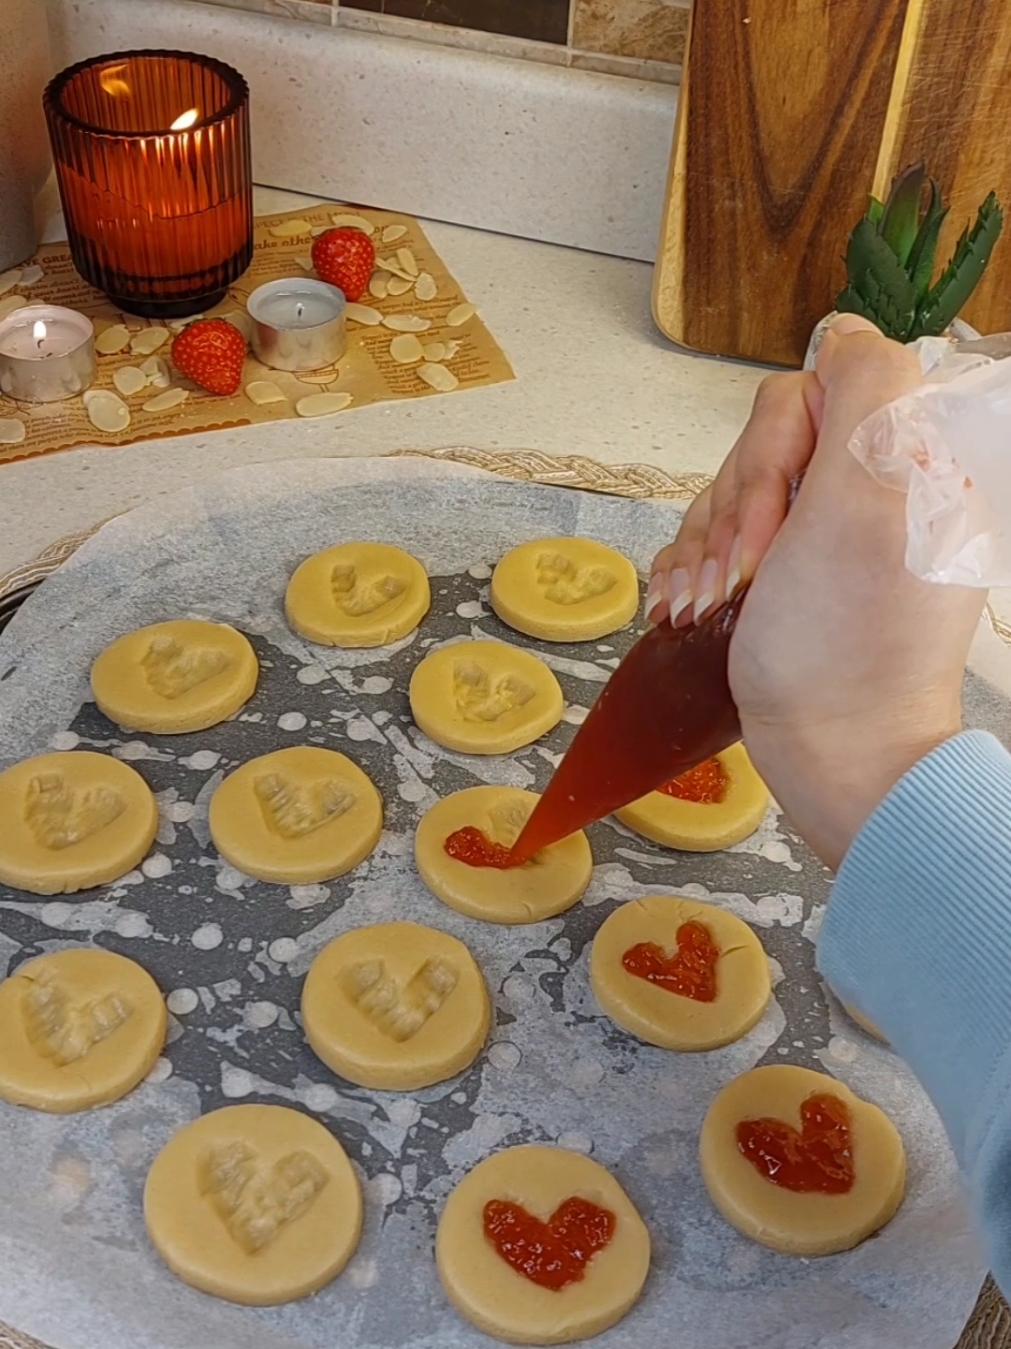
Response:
column 918, row 937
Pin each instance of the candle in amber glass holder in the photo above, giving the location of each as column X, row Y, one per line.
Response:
column 152, row 157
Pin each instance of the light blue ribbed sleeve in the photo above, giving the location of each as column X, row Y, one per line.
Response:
column 917, row 936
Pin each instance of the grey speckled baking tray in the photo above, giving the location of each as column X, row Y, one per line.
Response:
column 231, row 953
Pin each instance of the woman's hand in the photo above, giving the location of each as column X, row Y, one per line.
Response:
column 845, row 668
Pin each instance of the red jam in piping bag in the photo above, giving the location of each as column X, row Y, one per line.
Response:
column 666, row 708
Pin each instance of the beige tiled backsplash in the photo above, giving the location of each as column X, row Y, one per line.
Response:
column 640, row 38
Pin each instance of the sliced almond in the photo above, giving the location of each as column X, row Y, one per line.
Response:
column 133, row 323
column 129, row 379
column 399, row 285
column 156, row 372
column 107, row 411
column 393, row 232
column 305, row 263
column 149, row 340
column 322, row 404
column 459, row 315
column 262, row 391
column 407, row 323
column 425, row 287
column 363, row 313
column 12, row 431
column 9, row 279
column 438, row 377
column 317, row 230
column 406, row 349
column 379, row 283
column 395, row 266
column 29, row 275
column 290, row 229
column 351, row 221
column 11, row 302
column 177, row 325
column 441, row 351
column 112, row 339
column 408, row 261
column 161, row 402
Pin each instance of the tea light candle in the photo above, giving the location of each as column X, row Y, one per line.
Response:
column 298, row 324
column 46, row 353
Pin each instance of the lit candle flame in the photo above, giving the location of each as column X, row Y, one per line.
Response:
column 185, row 120
column 112, row 83
column 39, row 331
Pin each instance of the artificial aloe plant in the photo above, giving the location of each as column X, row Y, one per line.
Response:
column 890, row 260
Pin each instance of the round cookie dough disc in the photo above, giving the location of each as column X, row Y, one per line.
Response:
column 696, row 826
column 71, row 821
column 800, row 1223
column 551, row 882
column 395, row 1007
column 666, row 1018
column 357, row 594
column 78, row 1028
column 499, row 1299
column 255, row 1203
column 484, row 697
column 565, row 590
column 296, row 816
column 172, row 678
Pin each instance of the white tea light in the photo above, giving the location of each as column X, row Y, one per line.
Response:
column 298, row 324
column 46, row 353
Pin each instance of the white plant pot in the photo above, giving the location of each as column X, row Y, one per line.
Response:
column 929, row 349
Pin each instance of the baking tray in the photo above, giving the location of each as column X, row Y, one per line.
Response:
column 78, row 1271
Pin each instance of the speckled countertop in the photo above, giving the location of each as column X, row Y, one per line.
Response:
column 594, row 377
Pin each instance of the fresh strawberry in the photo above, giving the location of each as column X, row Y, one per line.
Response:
column 211, row 353
column 345, row 257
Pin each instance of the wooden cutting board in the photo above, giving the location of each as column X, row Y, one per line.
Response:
column 791, row 112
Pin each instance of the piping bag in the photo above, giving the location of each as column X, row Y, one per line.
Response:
column 668, row 705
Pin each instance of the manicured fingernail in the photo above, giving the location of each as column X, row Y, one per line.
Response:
column 707, row 587
column 734, row 568
column 654, row 594
column 851, row 323
column 679, row 588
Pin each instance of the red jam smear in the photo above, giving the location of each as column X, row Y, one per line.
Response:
column 473, row 847
column 552, row 1254
column 689, row 972
column 817, row 1159
column 707, row 783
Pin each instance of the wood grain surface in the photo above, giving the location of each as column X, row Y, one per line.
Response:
column 778, row 138
column 792, row 110
column 951, row 106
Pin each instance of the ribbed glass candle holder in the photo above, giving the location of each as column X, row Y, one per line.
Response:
column 153, row 162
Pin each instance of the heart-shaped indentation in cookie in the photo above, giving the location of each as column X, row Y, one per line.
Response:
column 255, row 1200
column 555, row 1253
column 172, row 669
column 64, row 1030
column 816, row 1159
column 293, row 810
column 59, row 815
column 484, row 697
column 690, row 971
column 564, row 582
column 400, row 1012
column 358, row 596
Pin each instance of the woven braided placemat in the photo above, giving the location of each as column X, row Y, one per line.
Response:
column 990, row 1324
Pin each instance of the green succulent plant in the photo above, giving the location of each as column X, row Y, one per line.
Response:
column 890, row 260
